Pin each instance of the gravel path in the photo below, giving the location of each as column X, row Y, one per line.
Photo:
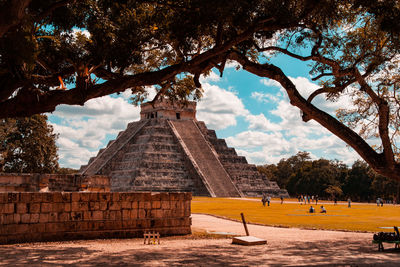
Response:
column 286, row 247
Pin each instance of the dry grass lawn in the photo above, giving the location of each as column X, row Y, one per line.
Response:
column 360, row 217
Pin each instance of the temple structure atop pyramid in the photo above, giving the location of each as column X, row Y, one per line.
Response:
column 168, row 150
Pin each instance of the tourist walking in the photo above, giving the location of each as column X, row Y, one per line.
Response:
column 264, row 199
column 349, row 201
column 281, row 200
column 268, row 200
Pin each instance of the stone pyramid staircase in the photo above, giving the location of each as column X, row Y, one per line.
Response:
column 151, row 160
column 245, row 176
column 172, row 155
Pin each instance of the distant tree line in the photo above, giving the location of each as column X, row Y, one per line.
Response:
column 330, row 178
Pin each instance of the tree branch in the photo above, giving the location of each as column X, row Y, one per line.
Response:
column 377, row 161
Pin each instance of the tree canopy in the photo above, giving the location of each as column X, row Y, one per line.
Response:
column 330, row 179
column 99, row 47
column 28, row 145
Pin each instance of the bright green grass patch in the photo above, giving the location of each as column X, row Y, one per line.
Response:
column 360, row 217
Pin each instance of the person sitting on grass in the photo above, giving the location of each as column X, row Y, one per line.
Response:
column 323, row 210
column 311, row 210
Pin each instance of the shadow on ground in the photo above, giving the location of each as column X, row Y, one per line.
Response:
column 343, row 252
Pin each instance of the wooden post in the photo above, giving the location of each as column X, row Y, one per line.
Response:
column 244, row 224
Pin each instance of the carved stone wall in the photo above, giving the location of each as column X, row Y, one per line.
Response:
column 32, row 182
column 51, row 216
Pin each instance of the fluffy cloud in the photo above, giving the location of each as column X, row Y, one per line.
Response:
column 265, row 97
column 261, row 123
column 83, row 130
column 219, row 108
column 267, row 142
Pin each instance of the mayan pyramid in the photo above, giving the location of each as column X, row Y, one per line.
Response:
column 168, row 150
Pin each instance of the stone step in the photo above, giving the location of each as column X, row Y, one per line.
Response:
column 232, row 159
column 225, row 150
column 241, row 167
column 158, row 138
column 165, row 156
column 156, row 129
column 154, row 146
column 204, row 157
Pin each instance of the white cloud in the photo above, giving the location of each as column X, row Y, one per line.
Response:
column 269, row 82
column 261, row 123
column 85, row 129
column 211, row 77
column 265, row 97
column 219, row 108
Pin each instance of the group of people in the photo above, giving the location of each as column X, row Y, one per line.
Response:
column 267, row 199
column 308, row 198
column 312, row 210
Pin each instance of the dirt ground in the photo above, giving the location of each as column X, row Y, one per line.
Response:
column 286, row 247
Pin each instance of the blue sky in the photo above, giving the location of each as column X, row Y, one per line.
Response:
column 253, row 114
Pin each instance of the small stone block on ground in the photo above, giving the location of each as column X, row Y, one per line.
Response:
column 248, row 241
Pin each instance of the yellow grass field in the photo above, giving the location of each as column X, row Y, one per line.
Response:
column 360, row 217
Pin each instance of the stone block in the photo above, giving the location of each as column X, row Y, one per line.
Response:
column 134, row 214
column 25, row 197
column 156, row 204
column 46, row 207
column 165, row 204
column 8, row 218
column 158, row 213
column 104, row 196
column 48, row 197
column 43, row 217
column 57, row 197
column 21, row 207
column 94, row 205
column 3, row 198
column 84, row 196
column 115, row 215
column 8, row 208
column 129, row 224
column 37, row 228
column 25, row 218
column 115, row 196
column 126, row 205
column 146, row 196
column 59, row 207
column 114, row 206
column 36, row 197
column 66, row 196
column 21, row 228
column 67, row 207
column 87, row 215
column 34, row 218
column 126, row 214
column 53, row 217
column 147, row 204
column 75, row 197
column 52, row 227
column 103, row 205
column 155, row 197
column 34, row 207
column 164, row 196
column 142, row 213
column 64, row 216
column 12, row 197
column 97, row 215
column 17, row 218
column 94, row 196
column 76, row 215
column 135, row 205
